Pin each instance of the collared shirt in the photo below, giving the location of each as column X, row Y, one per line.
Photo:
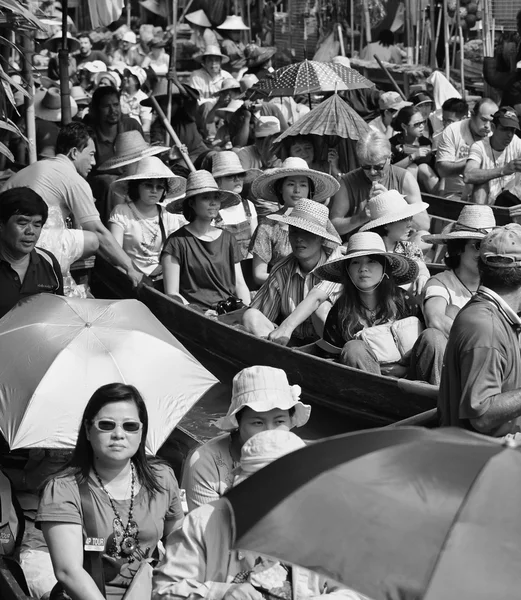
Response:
column 206, row 84
column 285, row 289
column 43, row 275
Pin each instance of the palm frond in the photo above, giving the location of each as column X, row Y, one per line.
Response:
column 10, row 126
column 6, row 152
column 19, row 10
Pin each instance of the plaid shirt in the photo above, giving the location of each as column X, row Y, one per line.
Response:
column 285, row 289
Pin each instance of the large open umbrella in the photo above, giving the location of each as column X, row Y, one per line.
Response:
column 408, row 513
column 55, row 352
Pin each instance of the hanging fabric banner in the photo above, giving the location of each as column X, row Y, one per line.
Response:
column 105, row 12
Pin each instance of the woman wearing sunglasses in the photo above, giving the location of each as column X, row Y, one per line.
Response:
column 411, row 149
column 134, row 500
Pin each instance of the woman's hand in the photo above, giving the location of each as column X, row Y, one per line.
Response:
column 334, row 160
column 419, row 284
column 377, row 189
column 280, row 336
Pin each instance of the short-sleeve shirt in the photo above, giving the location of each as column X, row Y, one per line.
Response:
column 482, row 359
column 270, row 241
column 454, row 145
column 131, row 106
column 43, row 275
column 92, row 56
column 488, row 158
column 207, row 269
column 446, row 285
column 60, row 503
column 206, row 84
column 142, row 237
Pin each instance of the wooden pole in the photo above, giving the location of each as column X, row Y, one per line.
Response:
column 367, row 21
column 129, row 13
column 433, row 35
column 341, row 40
column 63, row 62
column 390, row 77
column 28, row 45
column 352, row 26
column 172, row 63
column 462, row 61
column 446, row 40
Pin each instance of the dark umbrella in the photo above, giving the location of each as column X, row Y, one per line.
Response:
column 404, row 513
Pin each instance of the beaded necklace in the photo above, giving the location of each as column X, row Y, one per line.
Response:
column 126, row 539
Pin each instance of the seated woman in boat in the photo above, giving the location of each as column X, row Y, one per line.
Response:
column 305, row 146
column 391, row 219
column 286, row 185
column 135, row 500
column 142, row 226
column 373, row 326
column 262, row 399
column 201, row 263
column 292, row 277
column 412, row 150
column 241, row 219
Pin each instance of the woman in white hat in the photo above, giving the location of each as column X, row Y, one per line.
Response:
column 201, row 263
column 142, row 226
column 134, row 79
column 391, row 218
column 157, row 59
column 370, row 297
column 240, row 220
column 202, row 32
column 292, row 278
column 208, row 79
column 262, row 399
column 285, row 185
column 232, row 29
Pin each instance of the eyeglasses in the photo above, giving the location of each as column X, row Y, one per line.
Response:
column 418, row 124
column 377, row 168
column 235, row 176
column 106, row 425
column 151, row 187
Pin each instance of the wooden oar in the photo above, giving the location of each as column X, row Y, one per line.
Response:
column 391, row 78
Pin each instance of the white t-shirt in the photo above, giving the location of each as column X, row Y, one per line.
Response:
column 142, row 239
column 378, row 125
column 487, row 158
column 453, row 145
column 447, row 286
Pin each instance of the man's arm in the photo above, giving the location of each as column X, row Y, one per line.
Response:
column 501, row 408
column 340, row 206
column 474, row 174
column 450, row 169
column 411, row 191
column 112, row 251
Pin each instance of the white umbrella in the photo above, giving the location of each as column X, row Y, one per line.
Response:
column 55, row 352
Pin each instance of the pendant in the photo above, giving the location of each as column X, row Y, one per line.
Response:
column 128, row 545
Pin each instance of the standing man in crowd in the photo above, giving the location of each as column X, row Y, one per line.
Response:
column 86, row 53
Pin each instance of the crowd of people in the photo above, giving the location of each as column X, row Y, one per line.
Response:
column 300, row 246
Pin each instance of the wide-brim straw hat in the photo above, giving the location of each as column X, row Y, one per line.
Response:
column 391, row 207
column 368, row 243
column 309, row 216
column 201, row 182
column 130, row 146
column 47, row 105
column 228, row 84
column 263, row 389
column 111, row 75
column 54, row 43
column 211, row 51
column 475, row 221
column 233, row 23
column 93, row 66
column 227, row 163
column 325, row 185
column 198, row 17
column 152, row 167
column 80, row 96
column 257, row 55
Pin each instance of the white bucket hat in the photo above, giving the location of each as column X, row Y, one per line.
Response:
column 152, row 167
column 325, row 185
column 391, row 207
column 139, row 73
column 211, row 51
column 263, row 389
column 310, row 216
column 233, row 23
column 265, row 126
column 475, row 221
column 130, row 37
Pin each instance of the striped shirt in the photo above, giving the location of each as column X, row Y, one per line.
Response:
column 285, row 289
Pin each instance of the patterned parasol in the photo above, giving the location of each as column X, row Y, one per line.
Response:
column 332, row 117
column 311, row 77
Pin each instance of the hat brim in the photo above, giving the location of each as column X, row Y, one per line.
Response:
column 307, row 226
column 227, row 199
column 509, row 123
column 200, row 57
column 236, row 28
column 262, row 57
column 55, row 43
column 412, row 209
column 52, row 114
column 300, row 417
column 249, row 175
column 403, row 269
column 325, row 185
column 176, row 184
column 442, row 238
column 127, row 159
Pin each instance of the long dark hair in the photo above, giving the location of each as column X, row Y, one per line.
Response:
column 82, row 458
column 277, row 188
column 350, row 308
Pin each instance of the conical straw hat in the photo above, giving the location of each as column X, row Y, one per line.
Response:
column 198, row 17
column 130, row 146
column 233, row 23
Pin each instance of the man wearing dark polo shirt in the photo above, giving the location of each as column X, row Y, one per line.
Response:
column 24, row 269
column 480, row 385
column 86, row 53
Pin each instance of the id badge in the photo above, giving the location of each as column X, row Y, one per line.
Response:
column 6, row 537
column 93, row 544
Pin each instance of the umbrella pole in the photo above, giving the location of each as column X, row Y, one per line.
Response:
column 309, row 100
column 390, row 77
column 446, row 36
column 63, row 61
column 28, row 45
column 172, row 63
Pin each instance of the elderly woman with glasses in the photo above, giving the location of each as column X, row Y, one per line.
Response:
column 375, row 175
column 134, row 500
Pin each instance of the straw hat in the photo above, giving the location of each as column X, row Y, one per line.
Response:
column 248, row 81
column 138, row 73
column 80, row 96
column 263, row 389
column 474, row 222
column 130, row 146
column 256, row 56
column 325, row 185
column 233, row 23
column 152, row 167
column 211, row 51
column 391, row 207
column 198, row 17
column 156, row 7
column 200, row 182
column 94, row 66
column 309, row 216
column 54, row 43
column 228, row 84
column 47, row 105
column 368, row 243
column 228, row 163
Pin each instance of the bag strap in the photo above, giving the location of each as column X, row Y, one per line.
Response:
column 161, row 225
column 92, row 562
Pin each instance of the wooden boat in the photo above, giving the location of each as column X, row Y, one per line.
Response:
column 10, row 589
column 447, row 208
column 372, row 399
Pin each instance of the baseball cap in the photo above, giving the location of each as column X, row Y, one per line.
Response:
column 392, row 101
column 507, row 117
column 501, row 248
